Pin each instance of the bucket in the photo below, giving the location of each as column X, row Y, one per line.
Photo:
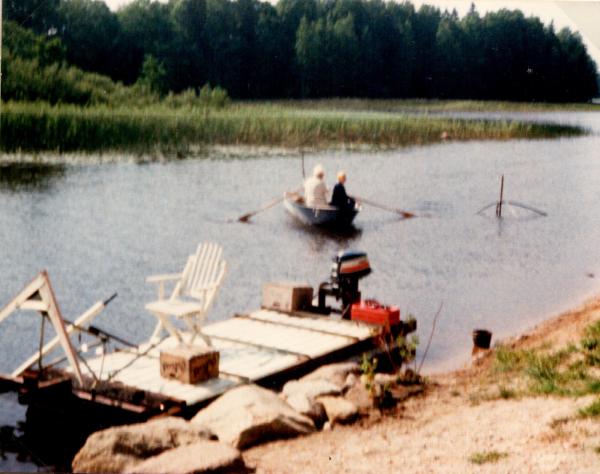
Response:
column 482, row 338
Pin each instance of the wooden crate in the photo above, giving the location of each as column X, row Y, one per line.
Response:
column 189, row 364
column 286, row 296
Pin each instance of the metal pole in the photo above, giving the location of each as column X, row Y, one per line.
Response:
column 499, row 206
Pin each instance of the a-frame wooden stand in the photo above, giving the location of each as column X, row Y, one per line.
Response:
column 39, row 296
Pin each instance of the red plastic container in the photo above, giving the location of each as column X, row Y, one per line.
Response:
column 372, row 312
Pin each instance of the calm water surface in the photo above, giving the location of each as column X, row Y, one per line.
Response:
column 103, row 228
column 100, row 229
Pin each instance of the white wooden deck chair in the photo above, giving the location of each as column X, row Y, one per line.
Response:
column 193, row 295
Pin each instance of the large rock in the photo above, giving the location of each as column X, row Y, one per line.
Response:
column 302, row 395
column 311, row 388
column 360, row 397
column 249, row 415
column 334, row 373
column 308, row 407
column 339, row 410
column 202, row 457
column 116, row 449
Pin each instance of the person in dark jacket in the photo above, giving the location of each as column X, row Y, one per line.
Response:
column 339, row 198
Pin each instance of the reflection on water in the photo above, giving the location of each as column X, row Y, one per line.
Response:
column 321, row 235
column 15, row 455
column 28, row 176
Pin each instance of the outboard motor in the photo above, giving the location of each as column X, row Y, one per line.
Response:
column 348, row 267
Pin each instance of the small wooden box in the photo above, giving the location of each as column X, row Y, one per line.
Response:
column 287, row 296
column 189, row 364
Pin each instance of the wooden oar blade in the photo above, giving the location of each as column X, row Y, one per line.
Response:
column 404, row 214
column 246, row 217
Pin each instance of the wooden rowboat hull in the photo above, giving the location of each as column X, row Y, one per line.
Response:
column 330, row 217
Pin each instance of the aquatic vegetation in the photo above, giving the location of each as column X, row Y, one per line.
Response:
column 175, row 125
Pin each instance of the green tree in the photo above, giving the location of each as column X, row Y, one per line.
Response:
column 25, row 44
column 188, row 63
column 146, row 29
column 579, row 72
column 38, row 15
column 272, row 59
column 425, row 26
column 449, row 71
column 89, row 30
column 153, row 76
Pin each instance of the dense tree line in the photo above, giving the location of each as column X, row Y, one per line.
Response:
column 317, row 48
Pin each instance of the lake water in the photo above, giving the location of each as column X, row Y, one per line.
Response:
column 103, row 228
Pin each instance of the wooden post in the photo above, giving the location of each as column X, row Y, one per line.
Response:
column 499, row 205
column 303, row 172
column 42, row 329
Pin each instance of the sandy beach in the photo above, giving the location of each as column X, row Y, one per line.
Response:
column 462, row 423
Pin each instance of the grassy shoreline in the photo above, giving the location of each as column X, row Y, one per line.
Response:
column 439, row 106
column 38, row 127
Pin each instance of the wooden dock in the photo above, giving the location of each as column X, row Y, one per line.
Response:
column 259, row 347
column 265, row 347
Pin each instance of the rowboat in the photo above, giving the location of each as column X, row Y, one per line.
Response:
column 322, row 216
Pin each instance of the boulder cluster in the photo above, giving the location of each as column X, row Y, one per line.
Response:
column 213, row 439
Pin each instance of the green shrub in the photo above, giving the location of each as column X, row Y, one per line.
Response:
column 591, row 411
column 485, row 457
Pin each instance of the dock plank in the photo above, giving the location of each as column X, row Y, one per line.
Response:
column 252, row 347
column 290, row 339
column 312, row 322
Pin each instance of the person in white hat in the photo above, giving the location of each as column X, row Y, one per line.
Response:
column 315, row 191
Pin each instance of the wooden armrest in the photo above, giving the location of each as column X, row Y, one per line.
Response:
column 165, row 277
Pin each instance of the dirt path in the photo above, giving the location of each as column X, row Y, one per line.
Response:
column 452, row 427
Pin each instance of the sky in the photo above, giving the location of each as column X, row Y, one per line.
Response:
column 578, row 15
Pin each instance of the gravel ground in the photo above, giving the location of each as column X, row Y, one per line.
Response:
column 451, row 427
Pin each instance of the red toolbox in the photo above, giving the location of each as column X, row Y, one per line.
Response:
column 372, row 312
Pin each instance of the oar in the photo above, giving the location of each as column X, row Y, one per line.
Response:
column 405, row 214
column 270, row 204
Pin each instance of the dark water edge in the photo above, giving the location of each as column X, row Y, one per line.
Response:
column 16, row 453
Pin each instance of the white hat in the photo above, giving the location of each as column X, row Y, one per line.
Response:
column 318, row 170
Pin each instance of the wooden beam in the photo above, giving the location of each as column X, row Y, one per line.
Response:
column 34, row 305
column 56, row 318
column 86, row 317
column 104, row 400
column 30, row 289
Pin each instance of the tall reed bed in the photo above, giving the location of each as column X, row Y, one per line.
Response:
column 31, row 127
column 439, row 106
